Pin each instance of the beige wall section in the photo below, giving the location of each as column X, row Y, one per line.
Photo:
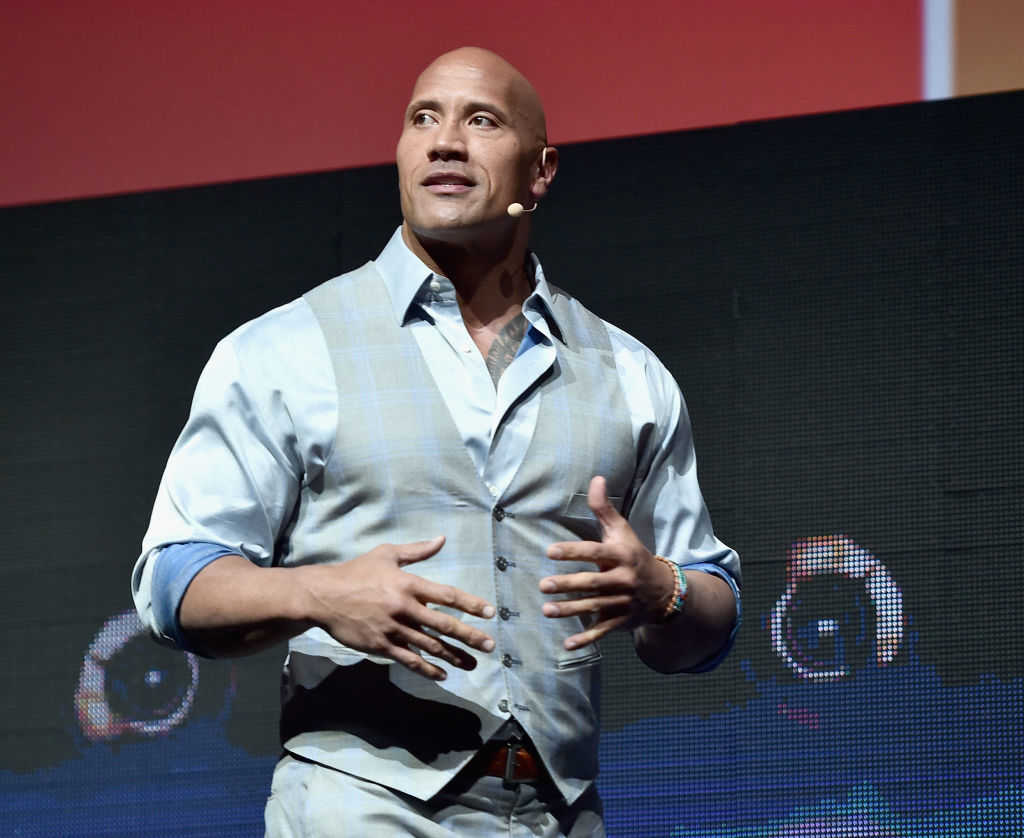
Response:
column 989, row 48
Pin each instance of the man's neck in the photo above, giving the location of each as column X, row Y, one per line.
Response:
column 491, row 278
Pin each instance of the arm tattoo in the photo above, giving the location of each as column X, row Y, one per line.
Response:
column 505, row 346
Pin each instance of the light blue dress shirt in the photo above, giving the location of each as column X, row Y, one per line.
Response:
column 264, row 421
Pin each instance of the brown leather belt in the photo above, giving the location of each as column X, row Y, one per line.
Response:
column 514, row 761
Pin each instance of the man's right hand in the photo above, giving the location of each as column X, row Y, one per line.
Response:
column 234, row 607
column 370, row 604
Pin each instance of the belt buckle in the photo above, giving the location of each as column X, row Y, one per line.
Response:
column 512, row 747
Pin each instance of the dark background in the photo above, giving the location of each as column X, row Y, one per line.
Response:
column 840, row 299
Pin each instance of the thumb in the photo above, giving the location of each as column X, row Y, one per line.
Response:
column 417, row 551
column 597, row 500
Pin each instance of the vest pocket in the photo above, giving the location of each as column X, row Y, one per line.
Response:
column 577, row 506
column 585, row 656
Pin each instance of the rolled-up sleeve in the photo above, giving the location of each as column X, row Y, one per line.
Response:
column 668, row 511
column 235, row 472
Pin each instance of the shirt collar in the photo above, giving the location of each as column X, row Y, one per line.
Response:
column 542, row 301
column 405, row 275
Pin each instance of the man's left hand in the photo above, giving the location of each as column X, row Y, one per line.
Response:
column 630, row 587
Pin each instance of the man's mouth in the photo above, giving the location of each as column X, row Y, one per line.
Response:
column 448, row 183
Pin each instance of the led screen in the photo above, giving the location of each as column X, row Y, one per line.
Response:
column 839, row 298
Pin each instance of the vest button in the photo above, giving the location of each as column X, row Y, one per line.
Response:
column 504, row 613
column 501, row 562
column 506, row 660
column 498, row 513
column 503, row 705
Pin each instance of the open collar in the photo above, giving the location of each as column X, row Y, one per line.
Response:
column 407, row 279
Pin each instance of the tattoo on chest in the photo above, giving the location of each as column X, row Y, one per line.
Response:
column 505, row 346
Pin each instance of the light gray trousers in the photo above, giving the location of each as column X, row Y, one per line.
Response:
column 308, row 800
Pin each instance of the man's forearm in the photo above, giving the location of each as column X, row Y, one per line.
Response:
column 368, row 603
column 693, row 636
column 233, row 607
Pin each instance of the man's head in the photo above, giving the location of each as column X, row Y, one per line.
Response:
column 472, row 143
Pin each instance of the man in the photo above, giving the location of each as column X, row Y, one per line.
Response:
column 443, row 480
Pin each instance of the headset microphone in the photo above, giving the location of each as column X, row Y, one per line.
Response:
column 517, row 209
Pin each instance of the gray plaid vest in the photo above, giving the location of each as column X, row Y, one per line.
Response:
column 399, row 473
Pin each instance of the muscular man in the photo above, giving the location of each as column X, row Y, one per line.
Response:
column 443, row 480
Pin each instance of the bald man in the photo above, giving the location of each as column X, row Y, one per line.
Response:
column 442, row 480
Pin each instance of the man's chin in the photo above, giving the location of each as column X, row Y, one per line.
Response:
column 457, row 229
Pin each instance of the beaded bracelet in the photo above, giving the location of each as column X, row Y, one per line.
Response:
column 678, row 600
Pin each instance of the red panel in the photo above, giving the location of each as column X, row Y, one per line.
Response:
column 105, row 97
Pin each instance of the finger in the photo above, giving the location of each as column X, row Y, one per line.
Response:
column 586, row 582
column 452, row 597
column 408, row 636
column 579, row 551
column 594, row 633
column 597, row 500
column 610, row 606
column 414, row 662
column 417, row 551
column 447, row 625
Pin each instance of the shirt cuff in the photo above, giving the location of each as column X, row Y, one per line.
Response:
column 176, row 566
column 720, row 655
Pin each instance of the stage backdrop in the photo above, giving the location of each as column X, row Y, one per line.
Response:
column 105, row 96
column 840, row 299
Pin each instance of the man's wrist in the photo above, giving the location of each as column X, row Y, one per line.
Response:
column 677, row 601
column 300, row 603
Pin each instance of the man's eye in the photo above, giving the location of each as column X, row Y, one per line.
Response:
column 423, row 118
column 481, row 121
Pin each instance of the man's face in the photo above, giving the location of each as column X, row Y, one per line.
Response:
column 468, row 148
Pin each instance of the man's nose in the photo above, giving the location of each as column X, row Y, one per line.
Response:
column 449, row 143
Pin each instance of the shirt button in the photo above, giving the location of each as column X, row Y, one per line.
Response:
column 506, row 660
column 492, row 489
column 499, row 513
column 501, row 562
column 503, row 705
column 435, row 285
column 504, row 613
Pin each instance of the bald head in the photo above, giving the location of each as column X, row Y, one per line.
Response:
column 518, row 92
column 473, row 143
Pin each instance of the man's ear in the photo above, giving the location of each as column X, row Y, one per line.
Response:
column 547, row 166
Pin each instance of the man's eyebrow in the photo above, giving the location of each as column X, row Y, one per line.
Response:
column 490, row 107
column 421, row 105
